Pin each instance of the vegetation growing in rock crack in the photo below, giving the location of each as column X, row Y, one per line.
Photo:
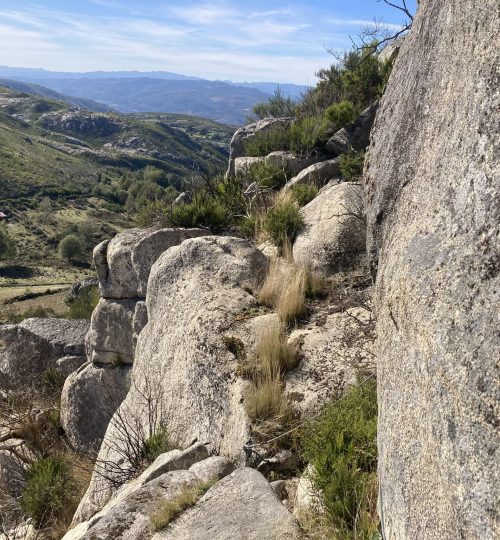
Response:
column 341, row 445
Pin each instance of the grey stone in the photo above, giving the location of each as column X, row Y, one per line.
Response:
column 331, row 357
column 318, row 174
column 355, row 136
column 249, row 132
column 432, row 181
column 67, row 364
column 334, row 232
column 12, row 474
column 80, row 287
column 89, row 399
column 242, row 505
column 34, row 345
column 279, row 487
column 195, row 292
column 212, row 468
column 111, row 336
column 123, row 264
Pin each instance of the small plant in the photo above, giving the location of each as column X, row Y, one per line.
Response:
column 304, row 193
column 53, row 380
column 169, row 510
column 291, row 304
column 266, row 175
column 266, row 402
column 341, row 445
column 236, row 347
column 49, row 491
column 204, row 211
column 283, row 221
column 83, row 306
column 155, row 445
column 351, row 165
column 273, row 353
column 341, row 114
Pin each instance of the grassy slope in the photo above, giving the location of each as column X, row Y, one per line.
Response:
column 66, row 164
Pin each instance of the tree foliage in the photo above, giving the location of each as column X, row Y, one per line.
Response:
column 7, row 244
column 70, row 248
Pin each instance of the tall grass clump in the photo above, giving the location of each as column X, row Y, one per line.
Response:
column 341, row 445
column 284, row 221
column 49, row 495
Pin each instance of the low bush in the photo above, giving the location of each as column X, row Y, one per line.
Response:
column 341, row 445
column 351, row 165
column 49, row 494
column 268, row 141
column 38, row 312
column 266, row 175
column 283, row 222
column 83, row 306
column 340, row 115
column 204, row 211
column 155, row 445
column 53, row 380
column 304, row 193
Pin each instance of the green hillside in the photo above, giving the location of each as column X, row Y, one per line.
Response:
column 65, row 170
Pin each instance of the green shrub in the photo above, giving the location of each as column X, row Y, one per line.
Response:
column 155, row 445
column 264, row 143
column 82, row 306
column 341, row 444
column 34, row 312
column 304, row 193
column 7, row 244
column 70, row 247
column 307, row 134
column 204, row 211
column 351, row 165
column 266, row 175
column 278, row 106
column 49, row 491
column 283, row 222
column 341, row 114
column 53, row 380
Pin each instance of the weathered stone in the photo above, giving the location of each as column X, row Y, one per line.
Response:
column 67, row 364
column 242, row 505
column 318, row 174
column 279, row 487
column 213, row 468
column 242, row 165
column 12, row 474
column 288, row 162
column 249, row 132
column 391, row 50
column 355, row 136
column 283, row 461
column 123, row 264
column 34, row 345
column 307, row 496
column 130, row 519
column 195, row 292
column 111, row 336
column 433, row 186
column 81, row 287
column 331, row 357
column 89, row 399
column 334, row 232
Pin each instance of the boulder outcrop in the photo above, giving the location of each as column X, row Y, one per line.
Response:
column 242, row 505
column 182, row 364
column 356, row 136
column 334, row 232
column 34, row 345
column 249, row 132
column 317, row 174
column 333, row 356
column 432, row 186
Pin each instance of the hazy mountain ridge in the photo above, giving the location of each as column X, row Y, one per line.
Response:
column 158, row 91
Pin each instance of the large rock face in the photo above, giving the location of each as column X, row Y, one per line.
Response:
column 334, row 232
column 29, row 348
column 433, row 191
column 182, row 363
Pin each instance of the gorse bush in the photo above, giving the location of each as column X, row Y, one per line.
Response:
column 283, row 222
column 49, row 491
column 262, row 144
column 341, row 114
column 83, row 306
column 304, row 193
column 156, row 444
column 278, row 106
column 351, row 165
column 266, row 175
column 38, row 312
column 204, row 211
column 341, row 445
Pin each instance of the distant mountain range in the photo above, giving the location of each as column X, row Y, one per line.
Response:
column 158, row 91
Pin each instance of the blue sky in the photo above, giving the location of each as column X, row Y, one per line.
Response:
column 236, row 40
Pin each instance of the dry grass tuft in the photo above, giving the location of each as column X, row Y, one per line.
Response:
column 265, row 402
column 187, row 497
column 274, row 355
